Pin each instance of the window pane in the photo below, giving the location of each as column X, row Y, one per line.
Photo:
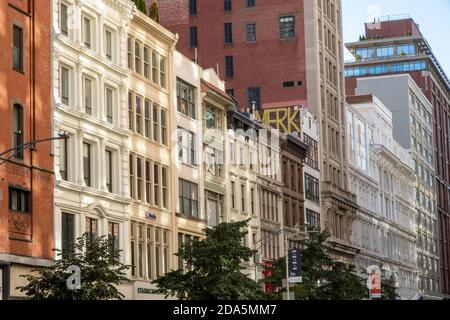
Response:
column 17, row 48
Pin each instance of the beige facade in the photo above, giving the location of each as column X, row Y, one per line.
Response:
column 326, row 98
column 151, row 237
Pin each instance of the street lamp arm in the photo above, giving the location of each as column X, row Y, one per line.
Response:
column 61, row 135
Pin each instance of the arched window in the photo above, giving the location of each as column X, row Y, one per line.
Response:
column 17, row 128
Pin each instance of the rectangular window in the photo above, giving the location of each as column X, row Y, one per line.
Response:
column 188, row 198
column 130, row 111
column 193, row 37
column 87, row 32
column 137, row 57
column 154, row 67
column 254, row 97
column 139, row 174
column 164, row 184
column 162, row 72
column 156, row 184
column 192, row 7
column 163, row 122
column 113, row 235
column 214, row 208
column 64, row 85
column 251, row 3
column 149, row 253
column 146, row 62
column 313, row 219
column 108, row 44
column 313, row 157
column 17, row 131
column 87, row 164
column 229, row 66
column 251, row 32
column 233, row 195
column 87, row 94
column 67, row 230
column 19, row 200
column 312, row 188
column 109, row 104
column 148, row 183
column 91, row 228
column 287, row 27
column 186, row 98
column 63, row 159
column 147, row 120
column 138, row 110
column 228, row 32
column 186, row 146
column 17, row 48
column 109, row 173
column 155, row 123
column 130, row 52
column 242, row 197
column 131, row 164
column 227, row 5
column 63, row 18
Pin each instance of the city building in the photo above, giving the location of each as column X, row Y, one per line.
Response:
column 187, row 155
column 304, row 63
column 396, row 45
column 90, row 104
column 152, row 240
column 26, row 175
column 382, row 177
column 242, row 166
column 413, row 129
column 293, row 154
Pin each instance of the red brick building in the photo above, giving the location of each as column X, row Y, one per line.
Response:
column 26, row 180
column 396, row 45
column 229, row 39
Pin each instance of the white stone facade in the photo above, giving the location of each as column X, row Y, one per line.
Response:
column 382, row 177
column 90, row 103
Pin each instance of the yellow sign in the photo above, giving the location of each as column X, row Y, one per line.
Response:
column 287, row 120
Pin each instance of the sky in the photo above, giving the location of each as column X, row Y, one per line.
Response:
column 433, row 17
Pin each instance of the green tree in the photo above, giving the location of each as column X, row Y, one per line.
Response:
column 100, row 267
column 323, row 278
column 215, row 268
column 140, row 4
column 388, row 289
column 154, row 11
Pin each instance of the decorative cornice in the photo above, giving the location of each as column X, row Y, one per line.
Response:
column 155, row 29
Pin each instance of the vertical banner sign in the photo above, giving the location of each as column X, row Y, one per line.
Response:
column 295, row 266
column 268, row 287
column 1, row 284
column 375, row 285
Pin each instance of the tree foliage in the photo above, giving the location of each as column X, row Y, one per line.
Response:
column 101, row 273
column 154, row 11
column 323, row 278
column 141, row 6
column 215, row 268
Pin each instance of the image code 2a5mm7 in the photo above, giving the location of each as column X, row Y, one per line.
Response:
column 236, row 310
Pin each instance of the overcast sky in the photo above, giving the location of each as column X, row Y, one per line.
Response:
column 433, row 17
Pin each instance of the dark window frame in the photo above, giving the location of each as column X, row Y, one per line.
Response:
column 23, row 204
column 254, row 94
column 192, row 7
column 193, row 37
column 250, row 29
column 229, row 66
column 287, row 29
column 228, row 32
column 67, row 230
column 227, row 5
column 312, row 188
column 18, row 130
column 17, row 54
column 186, row 187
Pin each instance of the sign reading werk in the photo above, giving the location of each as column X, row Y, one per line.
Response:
column 295, row 266
column 287, row 120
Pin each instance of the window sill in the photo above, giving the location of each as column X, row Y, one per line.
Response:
column 181, row 215
column 19, row 71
